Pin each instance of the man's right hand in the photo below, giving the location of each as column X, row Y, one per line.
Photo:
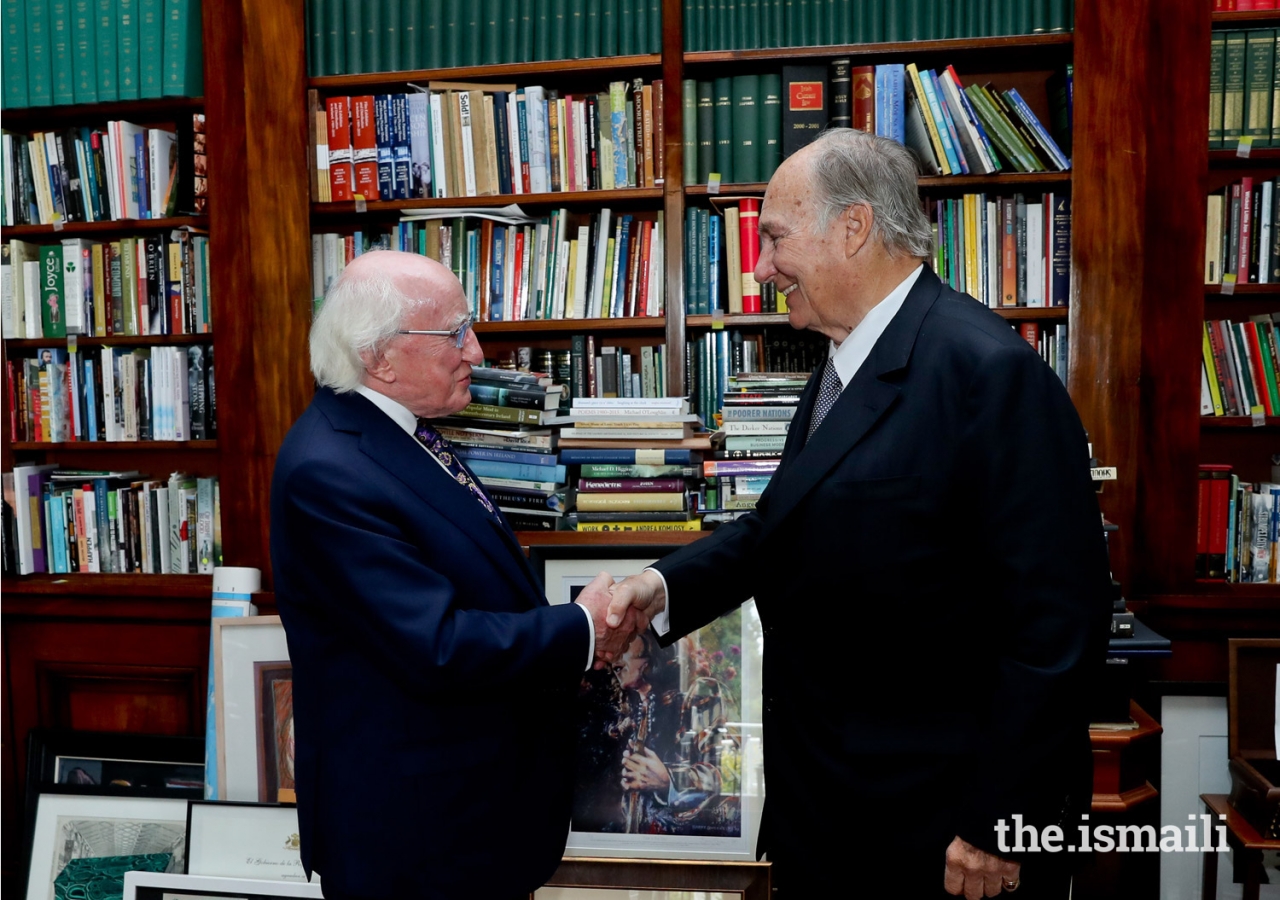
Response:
column 611, row 640
column 643, row 594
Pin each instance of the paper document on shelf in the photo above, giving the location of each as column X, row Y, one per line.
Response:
column 510, row 214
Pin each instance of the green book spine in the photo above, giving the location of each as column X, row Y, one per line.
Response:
column 524, row 41
column 371, row 38
column 84, row 51
column 706, row 131
column 1022, row 15
column 891, row 17
column 62, row 67
column 982, row 18
column 773, row 14
column 1258, row 79
column 608, row 29
column 931, row 20
column 1233, row 88
column 1039, row 16
column 858, row 23
column 996, row 24
column 843, row 33
column 912, row 28
column 1275, row 100
column 316, row 64
column 687, row 32
column 559, row 28
column 335, row 37
column 15, row 54
column 770, row 125
column 1056, row 14
column 577, row 29
column 183, row 49
column 724, row 129
column 127, row 48
column 391, row 27
column 353, row 28
column 542, row 30
column 491, row 40
column 755, row 23
column 746, row 128
column 151, row 47
column 640, row 43
column 591, row 31
column 510, row 31
column 805, row 32
column 960, row 15
column 626, row 26
column 411, row 35
column 655, row 26
column 53, row 309
column 736, row 22
column 689, row 124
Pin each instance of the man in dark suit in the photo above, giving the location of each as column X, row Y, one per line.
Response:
column 433, row 685
column 928, row 562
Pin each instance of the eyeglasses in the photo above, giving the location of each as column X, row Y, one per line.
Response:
column 458, row 334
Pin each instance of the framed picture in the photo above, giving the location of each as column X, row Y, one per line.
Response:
column 581, row 893
column 253, row 699
column 244, row 840
column 670, row 759
column 84, row 843
column 173, row 763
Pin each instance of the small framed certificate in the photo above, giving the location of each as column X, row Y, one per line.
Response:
column 244, row 840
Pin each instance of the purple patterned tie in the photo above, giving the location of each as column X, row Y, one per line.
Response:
column 828, row 394
column 442, row 450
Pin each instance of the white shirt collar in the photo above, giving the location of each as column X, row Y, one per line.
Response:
column 855, row 349
column 398, row 413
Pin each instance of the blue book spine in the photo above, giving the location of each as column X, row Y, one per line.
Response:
column 106, row 553
column 629, row 456
column 713, row 269
column 91, row 401
column 897, row 102
column 499, row 274
column 690, row 261
column 722, row 365
column 142, row 182
column 950, row 122
column 1031, row 119
column 935, row 110
column 473, row 265
column 382, row 133
column 618, row 125
column 522, row 126
column 493, row 469
column 502, row 142
column 57, row 530
column 973, row 117
column 401, row 148
column 620, row 264
column 882, row 101
column 518, row 457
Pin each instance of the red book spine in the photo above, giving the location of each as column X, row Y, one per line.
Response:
column 631, row 485
column 642, row 301
column 1030, row 332
column 1202, row 526
column 1246, row 229
column 659, row 135
column 364, row 148
column 1219, row 504
column 341, row 175
column 1008, row 254
column 1255, row 362
column 749, row 241
column 517, row 277
column 864, row 98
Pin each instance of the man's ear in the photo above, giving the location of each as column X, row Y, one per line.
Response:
column 378, row 367
column 856, row 222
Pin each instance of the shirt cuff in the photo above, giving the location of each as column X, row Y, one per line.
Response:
column 591, row 631
column 661, row 623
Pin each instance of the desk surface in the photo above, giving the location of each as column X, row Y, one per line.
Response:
column 1237, row 824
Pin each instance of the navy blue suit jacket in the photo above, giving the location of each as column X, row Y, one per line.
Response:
column 433, row 685
column 932, row 580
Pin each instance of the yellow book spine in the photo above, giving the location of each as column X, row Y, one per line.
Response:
column 691, row 525
column 1211, row 371
column 929, row 124
column 100, row 311
column 605, row 502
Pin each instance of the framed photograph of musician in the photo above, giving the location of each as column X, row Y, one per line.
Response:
column 670, row 757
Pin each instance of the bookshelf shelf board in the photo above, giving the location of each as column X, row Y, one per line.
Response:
column 555, row 326
column 146, row 340
column 1217, row 596
column 575, row 538
column 119, row 585
column 1247, row 17
column 1214, row 423
column 608, row 65
column 882, row 50
column 563, row 198
column 120, row 446
column 738, row 320
column 124, row 227
column 1227, row 159
column 1034, row 313
column 43, row 118
column 728, row 191
column 1242, row 290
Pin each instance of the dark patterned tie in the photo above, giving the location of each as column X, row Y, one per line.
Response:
column 828, row 394
column 442, row 450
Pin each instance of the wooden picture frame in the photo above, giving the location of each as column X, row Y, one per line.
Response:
column 239, row 645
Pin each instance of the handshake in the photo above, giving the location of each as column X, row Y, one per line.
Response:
column 621, row 611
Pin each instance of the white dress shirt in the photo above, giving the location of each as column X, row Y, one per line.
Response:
column 401, row 415
column 848, row 357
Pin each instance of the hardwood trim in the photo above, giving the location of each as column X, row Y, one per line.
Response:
column 43, row 118
column 1214, row 291
column 554, row 326
column 1124, row 801
column 882, row 50
column 672, row 193
column 750, row 880
column 123, row 227
column 727, row 191
column 191, row 587
column 336, row 84
column 1222, row 423
column 734, row 321
column 84, row 340
column 119, row 446
column 560, row 198
column 1247, row 17
column 1228, row 159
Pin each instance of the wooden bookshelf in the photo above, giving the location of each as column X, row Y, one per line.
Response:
column 964, row 182
column 606, row 67
column 1215, row 423
column 141, row 112
column 559, row 198
column 1260, row 291
column 572, row 326
column 125, row 227
column 113, row 446
column 188, row 587
column 1246, row 18
column 889, row 51
column 1230, row 159
column 143, row 340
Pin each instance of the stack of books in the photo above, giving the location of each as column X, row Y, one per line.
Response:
column 1238, row 529
column 1240, row 233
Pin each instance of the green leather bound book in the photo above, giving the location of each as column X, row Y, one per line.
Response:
column 510, row 18
column 733, row 25
column 912, row 27
column 1058, row 14
column 641, row 40
column 372, row 38
column 335, row 37
column 577, row 29
column 804, row 22
column 689, row 124
column 770, row 124
column 1022, row 15
column 858, row 23
column 608, row 29
column 706, row 130
column 895, row 24
column 410, row 35
column 559, row 28
column 655, row 26
column 1039, row 16
column 83, row 52
column 471, row 32
column 61, row 66
column 592, row 29
column 15, row 54
column 875, row 22
column 528, row 22
column 724, row 129
column 183, row 49
column 126, row 45
column 1259, row 70
column 959, row 27
column 754, row 33
column 316, row 63
column 151, row 62
column 843, row 33
column 930, row 23
column 982, row 18
column 746, row 128
column 774, row 18
column 996, row 21
column 392, row 61
column 353, row 28
column 542, row 30
column 490, row 36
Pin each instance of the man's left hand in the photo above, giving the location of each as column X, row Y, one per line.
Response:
column 610, row 641
column 976, row 873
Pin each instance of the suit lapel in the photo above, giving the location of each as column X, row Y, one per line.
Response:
column 866, row 399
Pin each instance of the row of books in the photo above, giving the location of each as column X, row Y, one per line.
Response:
column 1244, row 88
column 1051, row 344
column 721, row 249
column 1241, row 240
column 150, row 284
column 1241, row 365
column 123, row 171
column 1011, row 251
column 466, row 140
column 61, row 53
column 1238, row 528
column 716, row 357
column 77, row 520
column 348, row 38
column 759, row 24
column 734, row 127
column 113, row 394
column 562, row 266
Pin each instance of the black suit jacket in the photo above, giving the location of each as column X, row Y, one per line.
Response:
column 932, row 580
column 433, row 685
